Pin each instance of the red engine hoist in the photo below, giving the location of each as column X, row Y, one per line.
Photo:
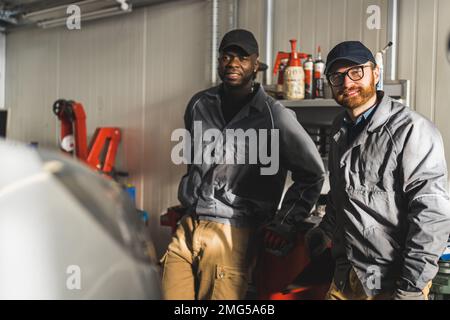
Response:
column 101, row 153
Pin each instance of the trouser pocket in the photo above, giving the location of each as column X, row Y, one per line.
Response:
column 230, row 283
column 426, row 291
column 163, row 259
column 177, row 278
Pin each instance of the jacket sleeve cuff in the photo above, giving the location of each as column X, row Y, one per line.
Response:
column 405, row 285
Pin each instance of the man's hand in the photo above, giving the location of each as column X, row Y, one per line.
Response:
column 273, row 240
column 316, row 241
column 279, row 238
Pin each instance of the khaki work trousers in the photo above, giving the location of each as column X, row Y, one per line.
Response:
column 208, row 260
column 355, row 291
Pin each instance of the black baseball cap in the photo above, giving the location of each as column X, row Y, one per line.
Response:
column 241, row 38
column 353, row 51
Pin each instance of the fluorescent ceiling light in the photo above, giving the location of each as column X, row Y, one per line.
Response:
column 58, row 8
column 85, row 16
column 89, row 10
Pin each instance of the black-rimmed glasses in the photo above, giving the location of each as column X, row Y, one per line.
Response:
column 355, row 73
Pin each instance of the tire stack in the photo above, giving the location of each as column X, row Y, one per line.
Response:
column 441, row 283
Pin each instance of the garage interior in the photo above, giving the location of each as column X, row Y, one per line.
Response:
column 133, row 65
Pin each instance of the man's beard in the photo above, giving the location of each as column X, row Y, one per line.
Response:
column 246, row 80
column 364, row 94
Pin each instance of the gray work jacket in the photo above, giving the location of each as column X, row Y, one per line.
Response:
column 388, row 210
column 238, row 194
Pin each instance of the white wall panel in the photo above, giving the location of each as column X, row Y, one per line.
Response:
column 136, row 72
column 176, row 59
column 407, row 44
column 2, row 69
column 426, row 57
column 442, row 82
column 423, row 33
column 314, row 23
column 31, row 85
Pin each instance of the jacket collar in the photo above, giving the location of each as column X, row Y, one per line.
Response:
column 363, row 117
column 381, row 115
column 257, row 101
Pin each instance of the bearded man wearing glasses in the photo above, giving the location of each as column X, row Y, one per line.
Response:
column 388, row 210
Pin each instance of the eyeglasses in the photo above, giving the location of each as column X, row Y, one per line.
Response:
column 227, row 58
column 356, row 73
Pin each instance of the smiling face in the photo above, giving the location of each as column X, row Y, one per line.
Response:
column 354, row 93
column 237, row 68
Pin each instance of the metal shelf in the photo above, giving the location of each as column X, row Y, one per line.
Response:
column 397, row 89
column 309, row 103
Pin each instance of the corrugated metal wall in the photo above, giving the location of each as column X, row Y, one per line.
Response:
column 314, row 23
column 423, row 33
column 136, row 72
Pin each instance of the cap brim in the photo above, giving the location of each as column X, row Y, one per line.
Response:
column 234, row 44
column 354, row 59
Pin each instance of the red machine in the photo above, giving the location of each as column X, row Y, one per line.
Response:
column 101, row 153
column 172, row 216
column 294, row 276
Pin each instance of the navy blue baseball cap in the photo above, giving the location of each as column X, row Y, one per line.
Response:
column 241, row 38
column 353, row 51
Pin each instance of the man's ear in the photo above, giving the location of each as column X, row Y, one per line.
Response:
column 256, row 65
column 376, row 74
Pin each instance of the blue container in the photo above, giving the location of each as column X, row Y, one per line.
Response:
column 131, row 190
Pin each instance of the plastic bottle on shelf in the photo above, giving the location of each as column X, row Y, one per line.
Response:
column 319, row 81
column 308, row 67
